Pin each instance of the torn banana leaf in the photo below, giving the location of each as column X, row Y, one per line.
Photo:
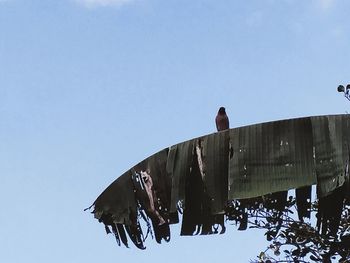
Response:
column 200, row 176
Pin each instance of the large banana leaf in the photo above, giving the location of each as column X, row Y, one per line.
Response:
column 201, row 175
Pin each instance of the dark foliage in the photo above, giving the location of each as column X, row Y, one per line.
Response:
column 293, row 239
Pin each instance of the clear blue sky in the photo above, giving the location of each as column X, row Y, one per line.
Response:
column 90, row 88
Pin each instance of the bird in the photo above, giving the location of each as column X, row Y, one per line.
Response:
column 221, row 120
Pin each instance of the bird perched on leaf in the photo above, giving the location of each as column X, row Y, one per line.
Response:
column 222, row 122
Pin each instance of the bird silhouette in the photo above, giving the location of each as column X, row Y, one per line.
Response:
column 221, row 120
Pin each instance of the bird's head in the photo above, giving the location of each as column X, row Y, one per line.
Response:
column 222, row 110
